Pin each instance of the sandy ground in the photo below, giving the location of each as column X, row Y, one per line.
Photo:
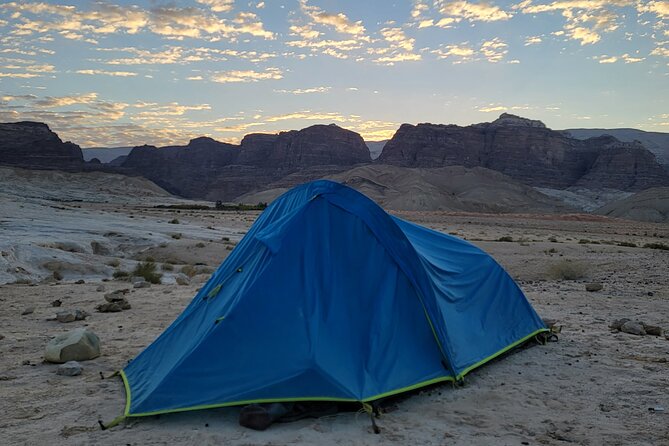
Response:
column 592, row 387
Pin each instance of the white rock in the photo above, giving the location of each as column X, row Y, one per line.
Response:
column 76, row 345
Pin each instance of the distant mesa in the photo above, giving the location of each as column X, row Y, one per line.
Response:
column 213, row 170
column 511, row 151
column 33, row 145
column 529, row 152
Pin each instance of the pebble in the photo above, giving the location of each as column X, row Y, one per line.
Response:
column 633, row 327
column 100, row 288
column 80, row 281
column 56, row 303
column 29, row 310
column 70, row 368
column 595, row 286
column 141, row 284
column 71, row 315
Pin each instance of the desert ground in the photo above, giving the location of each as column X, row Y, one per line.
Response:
column 593, row 387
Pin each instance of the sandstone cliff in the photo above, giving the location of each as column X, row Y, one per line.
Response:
column 527, row 151
column 33, row 145
column 217, row 171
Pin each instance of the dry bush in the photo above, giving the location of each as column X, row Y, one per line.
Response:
column 567, row 270
column 147, row 270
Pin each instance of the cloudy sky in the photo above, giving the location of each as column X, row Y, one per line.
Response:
column 129, row 73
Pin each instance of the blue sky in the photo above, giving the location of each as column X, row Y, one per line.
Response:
column 129, row 73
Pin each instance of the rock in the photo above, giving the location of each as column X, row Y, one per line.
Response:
column 593, row 287
column 100, row 248
column 100, row 288
column 2, row 337
column 71, row 315
column 529, row 152
column 182, row 279
column 633, row 327
column 29, row 310
column 109, row 307
column 80, row 282
column 618, row 323
column 116, row 296
column 653, row 330
column 56, row 303
column 33, row 145
column 141, row 284
column 70, row 368
column 226, row 171
column 76, row 345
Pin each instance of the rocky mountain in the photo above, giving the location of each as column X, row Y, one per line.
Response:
column 656, row 142
column 33, row 145
column 209, row 169
column 528, row 151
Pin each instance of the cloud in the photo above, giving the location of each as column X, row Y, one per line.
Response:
column 247, row 76
column 660, row 51
column 607, row 59
column 218, row 5
column 585, row 20
column 338, row 21
column 103, row 18
column 64, row 101
column 493, row 51
column 532, row 40
column 473, row 12
column 107, row 73
column 305, row 90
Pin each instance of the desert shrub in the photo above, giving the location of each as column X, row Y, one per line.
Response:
column 147, row 270
column 57, row 275
column 200, row 245
column 114, row 263
column 656, row 246
column 567, row 270
column 583, row 241
column 552, row 239
column 551, row 251
column 174, row 221
column 226, row 239
column 176, row 236
column 120, row 274
column 506, row 238
column 627, row 244
column 167, row 267
column 149, row 259
column 189, row 270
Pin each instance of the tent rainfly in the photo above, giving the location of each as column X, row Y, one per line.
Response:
column 329, row 298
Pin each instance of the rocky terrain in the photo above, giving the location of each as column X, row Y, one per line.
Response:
column 649, row 205
column 656, row 142
column 453, row 188
column 34, row 146
column 584, row 174
column 596, row 385
column 209, row 169
column 529, row 152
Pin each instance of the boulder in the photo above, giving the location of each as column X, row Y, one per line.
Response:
column 110, row 307
column 76, row 345
column 633, row 327
column 70, row 368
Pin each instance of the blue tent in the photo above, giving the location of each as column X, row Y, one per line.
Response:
column 328, row 297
